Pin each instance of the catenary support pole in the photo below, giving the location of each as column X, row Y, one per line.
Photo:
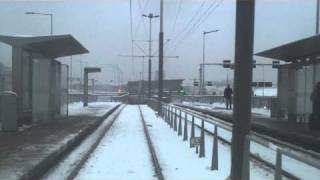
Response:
column 160, row 85
column 242, row 84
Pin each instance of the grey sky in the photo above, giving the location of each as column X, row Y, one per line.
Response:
column 103, row 27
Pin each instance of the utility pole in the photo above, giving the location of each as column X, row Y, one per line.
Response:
column 160, row 91
column 242, row 89
column 317, row 17
column 150, row 16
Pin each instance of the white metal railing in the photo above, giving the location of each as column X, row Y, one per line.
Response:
column 173, row 115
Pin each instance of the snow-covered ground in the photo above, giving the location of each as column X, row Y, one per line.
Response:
column 93, row 109
column 123, row 153
column 293, row 166
column 179, row 162
column 221, row 108
column 65, row 167
column 267, row 91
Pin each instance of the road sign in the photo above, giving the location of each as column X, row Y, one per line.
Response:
column 195, row 141
column 226, row 64
column 92, row 69
column 275, row 64
column 262, row 84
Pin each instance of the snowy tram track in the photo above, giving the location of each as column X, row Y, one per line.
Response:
column 69, row 166
column 76, row 170
column 155, row 161
column 123, row 152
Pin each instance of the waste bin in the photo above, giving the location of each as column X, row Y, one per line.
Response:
column 8, row 111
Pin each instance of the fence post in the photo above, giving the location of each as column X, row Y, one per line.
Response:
column 185, row 131
column 169, row 115
column 165, row 113
column 171, row 119
column 278, row 171
column 161, row 114
column 192, row 131
column 202, row 141
column 180, row 128
column 246, row 160
column 175, row 120
column 215, row 150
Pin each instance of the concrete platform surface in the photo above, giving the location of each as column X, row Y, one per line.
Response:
column 26, row 154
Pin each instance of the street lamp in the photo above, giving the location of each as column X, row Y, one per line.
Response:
column 43, row 14
column 203, row 57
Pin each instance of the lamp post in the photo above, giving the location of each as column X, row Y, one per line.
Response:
column 43, row 14
column 203, row 58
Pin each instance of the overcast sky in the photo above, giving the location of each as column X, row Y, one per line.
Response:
column 103, row 27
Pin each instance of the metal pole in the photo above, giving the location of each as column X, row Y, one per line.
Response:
column 214, row 159
column 51, row 24
column 160, row 85
column 192, row 131
column 317, row 32
column 150, row 65
column 200, row 79
column 317, row 17
column 263, row 81
column 179, row 125
column 185, row 131
column 278, row 170
column 71, row 72
column 202, row 141
column 203, row 60
column 85, row 89
column 242, row 85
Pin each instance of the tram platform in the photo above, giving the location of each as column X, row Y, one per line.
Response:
column 282, row 129
column 26, row 153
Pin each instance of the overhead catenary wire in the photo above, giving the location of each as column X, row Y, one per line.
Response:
column 131, row 32
column 210, row 10
column 177, row 16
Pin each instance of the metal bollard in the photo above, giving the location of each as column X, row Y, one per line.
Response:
column 171, row 119
column 168, row 107
column 278, row 171
column 168, row 119
column 192, row 131
column 215, row 160
column 180, row 128
column 165, row 113
column 175, row 120
column 185, row 131
column 202, row 141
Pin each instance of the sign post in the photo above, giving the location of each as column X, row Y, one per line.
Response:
column 88, row 70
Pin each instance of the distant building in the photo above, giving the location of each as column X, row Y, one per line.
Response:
column 135, row 87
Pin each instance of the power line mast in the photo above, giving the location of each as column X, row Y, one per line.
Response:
column 160, row 91
column 150, row 16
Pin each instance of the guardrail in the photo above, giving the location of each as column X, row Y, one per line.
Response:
column 174, row 115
